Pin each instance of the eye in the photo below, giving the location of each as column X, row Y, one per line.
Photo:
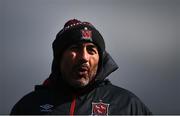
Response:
column 74, row 48
column 92, row 50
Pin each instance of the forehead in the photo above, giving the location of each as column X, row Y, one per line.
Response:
column 84, row 44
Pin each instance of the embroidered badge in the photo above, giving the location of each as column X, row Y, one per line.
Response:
column 46, row 108
column 100, row 108
column 86, row 34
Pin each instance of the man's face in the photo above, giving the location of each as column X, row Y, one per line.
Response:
column 79, row 64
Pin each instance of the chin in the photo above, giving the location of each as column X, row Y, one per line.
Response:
column 80, row 83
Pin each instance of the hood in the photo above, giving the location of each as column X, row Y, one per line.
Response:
column 75, row 31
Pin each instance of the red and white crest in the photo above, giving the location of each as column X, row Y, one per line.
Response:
column 86, row 34
column 100, row 108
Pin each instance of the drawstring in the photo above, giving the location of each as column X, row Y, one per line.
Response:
column 73, row 104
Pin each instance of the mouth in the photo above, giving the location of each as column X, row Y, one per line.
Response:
column 82, row 70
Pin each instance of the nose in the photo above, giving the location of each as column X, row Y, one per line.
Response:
column 84, row 55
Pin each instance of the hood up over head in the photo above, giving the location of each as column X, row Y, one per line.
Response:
column 76, row 31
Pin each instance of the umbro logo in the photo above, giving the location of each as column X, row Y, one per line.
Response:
column 46, row 108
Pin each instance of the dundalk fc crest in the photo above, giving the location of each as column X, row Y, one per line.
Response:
column 100, row 108
column 86, row 34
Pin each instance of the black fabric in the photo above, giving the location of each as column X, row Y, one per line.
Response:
column 58, row 96
column 120, row 101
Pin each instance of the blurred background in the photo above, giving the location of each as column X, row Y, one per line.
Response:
column 143, row 36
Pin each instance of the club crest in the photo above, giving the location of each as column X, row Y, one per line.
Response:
column 86, row 34
column 100, row 108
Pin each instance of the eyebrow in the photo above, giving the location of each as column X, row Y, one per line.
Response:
column 93, row 46
column 81, row 45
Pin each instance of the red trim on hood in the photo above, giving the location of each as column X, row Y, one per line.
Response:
column 46, row 82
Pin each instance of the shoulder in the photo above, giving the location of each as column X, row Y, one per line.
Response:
column 30, row 101
column 122, row 95
column 114, row 90
column 19, row 107
column 123, row 100
column 35, row 95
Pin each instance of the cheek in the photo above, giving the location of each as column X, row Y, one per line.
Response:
column 94, row 61
column 69, row 58
column 66, row 64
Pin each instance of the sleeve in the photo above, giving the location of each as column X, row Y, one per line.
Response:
column 23, row 105
column 16, row 110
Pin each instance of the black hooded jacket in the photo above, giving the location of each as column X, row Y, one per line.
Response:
column 98, row 98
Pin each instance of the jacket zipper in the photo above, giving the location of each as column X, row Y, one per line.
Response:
column 73, row 104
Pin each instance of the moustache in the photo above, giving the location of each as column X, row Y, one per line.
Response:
column 82, row 67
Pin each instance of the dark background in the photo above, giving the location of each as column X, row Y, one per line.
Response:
column 141, row 35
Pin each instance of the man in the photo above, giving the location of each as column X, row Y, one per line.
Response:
column 78, row 84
